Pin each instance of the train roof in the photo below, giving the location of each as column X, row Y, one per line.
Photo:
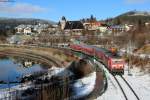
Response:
column 87, row 46
column 107, row 52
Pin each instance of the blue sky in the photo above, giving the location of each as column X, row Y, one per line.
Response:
column 72, row 9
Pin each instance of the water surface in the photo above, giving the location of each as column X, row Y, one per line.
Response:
column 12, row 70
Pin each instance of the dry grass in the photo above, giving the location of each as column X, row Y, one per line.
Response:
column 61, row 55
column 143, row 64
column 145, row 49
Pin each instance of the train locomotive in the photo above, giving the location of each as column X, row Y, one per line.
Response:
column 113, row 62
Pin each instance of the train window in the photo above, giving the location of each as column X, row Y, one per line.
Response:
column 116, row 61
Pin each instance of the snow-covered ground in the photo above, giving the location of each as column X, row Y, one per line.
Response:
column 81, row 87
column 139, row 81
column 84, row 86
column 113, row 92
column 123, row 51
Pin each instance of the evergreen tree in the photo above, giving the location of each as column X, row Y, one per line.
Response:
column 118, row 21
column 140, row 25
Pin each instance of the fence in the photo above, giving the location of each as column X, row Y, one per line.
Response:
column 59, row 90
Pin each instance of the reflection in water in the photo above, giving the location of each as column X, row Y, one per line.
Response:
column 75, row 82
column 13, row 69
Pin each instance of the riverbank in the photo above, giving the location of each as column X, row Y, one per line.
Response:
column 59, row 56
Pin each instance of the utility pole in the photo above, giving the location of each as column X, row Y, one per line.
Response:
column 129, row 57
column 94, row 55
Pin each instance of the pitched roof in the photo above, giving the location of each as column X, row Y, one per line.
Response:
column 74, row 25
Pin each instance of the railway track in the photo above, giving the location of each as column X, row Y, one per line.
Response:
column 52, row 59
column 37, row 57
column 126, row 88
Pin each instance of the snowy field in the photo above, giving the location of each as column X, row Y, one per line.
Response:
column 139, row 81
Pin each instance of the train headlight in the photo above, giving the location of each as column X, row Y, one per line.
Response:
column 120, row 66
column 114, row 66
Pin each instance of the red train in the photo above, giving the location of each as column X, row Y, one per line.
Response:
column 113, row 62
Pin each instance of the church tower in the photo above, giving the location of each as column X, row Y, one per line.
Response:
column 63, row 22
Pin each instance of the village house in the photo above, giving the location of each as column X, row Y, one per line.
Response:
column 91, row 24
column 102, row 27
column 27, row 31
column 75, row 27
column 120, row 28
column 71, row 27
column 97, row 27
column 31, row 29
column 24, row 29
column 52, row 29
column 147, row 24
column 117, row 29
column 19, row 29
column 43, row 28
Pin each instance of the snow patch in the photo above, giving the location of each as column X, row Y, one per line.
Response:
column 84, row 86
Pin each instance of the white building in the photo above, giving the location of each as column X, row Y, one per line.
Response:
column 19, row 29
column 27, row 31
